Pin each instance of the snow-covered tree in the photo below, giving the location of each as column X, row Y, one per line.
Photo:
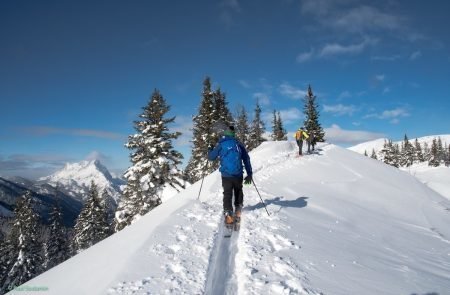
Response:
column 278, row 131
column 407, row 153
column 90, row 227
column 447, row 157
column 418, row 154
column 426, row 152
column 434, row 154
column 257, row 129
column 154, row 162
column 23, row 249
column 241, row 126
column 374, row 155
column 221, row 110
column 312, row 124
column 440, row 151
column 390, row 153
column 57, row 247
column 204, row 135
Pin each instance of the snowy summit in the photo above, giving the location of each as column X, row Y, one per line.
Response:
column 76, row 178
column 339, row 223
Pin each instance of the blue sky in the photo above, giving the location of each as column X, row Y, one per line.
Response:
column 75, row 74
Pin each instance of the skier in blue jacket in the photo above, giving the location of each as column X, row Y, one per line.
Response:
column 231, row 154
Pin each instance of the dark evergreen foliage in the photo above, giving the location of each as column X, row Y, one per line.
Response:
column 57, row 246
column 154, row 162
column 257, row 129
column 311, row 123
column 278, row 131
column 242, row 127
column 21, row 253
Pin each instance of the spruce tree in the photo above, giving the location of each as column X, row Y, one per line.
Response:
column 257, row 129
column 278, row 131
column 90, row 227
column 23, row 251
column 221, row 111
column 57, row 247
column 447, row 158
column 365, row 153
column 274, row 134
column 204, row 135
column 154, row 162
column 440, row 151
column 374, row 155
column 241, row 126
column 407, row 154
column 434, row 154
column 313, row 127
column 418, row 154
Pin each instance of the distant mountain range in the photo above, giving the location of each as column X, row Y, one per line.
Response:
column 68, row 187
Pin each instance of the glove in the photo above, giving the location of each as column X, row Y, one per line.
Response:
column 248, row 179
column 210, row 147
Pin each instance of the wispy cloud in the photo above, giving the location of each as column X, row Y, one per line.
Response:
column 380, row 77
column 228, row 11
column 288, row 116
column 263, row 98
column 393, row 115
column 32, row 165
column 245, row 84
column 290, row 91
column 345, row 94
column 184, row 125
column 415, row 55
column 339, row 49
column 340, row 109
column 336, row 49
column 46, row 130
column 386, row 58
column 337, row 135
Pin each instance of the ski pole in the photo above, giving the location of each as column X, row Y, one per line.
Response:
column 201, row 185
column 261, row 198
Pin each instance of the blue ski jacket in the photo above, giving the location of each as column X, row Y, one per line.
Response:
column 231, row 154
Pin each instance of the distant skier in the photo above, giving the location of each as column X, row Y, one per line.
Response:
column 232, row 153
column 299, row 136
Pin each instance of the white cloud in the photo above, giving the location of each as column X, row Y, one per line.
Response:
column 288, row 116
column 386, row 58
column 245, row 84
column 305, row 56
column 292, row 92
column 184, row 125
column 345, row 94
column 96, row 155
column 263, row 98
column 339, row 109
column 380, row 77
column 392, row 115
column 337, row 135
column 386, row 90
column 415, row 55
column 338, row 49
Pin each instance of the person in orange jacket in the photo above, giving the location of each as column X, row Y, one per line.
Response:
column 299, row 136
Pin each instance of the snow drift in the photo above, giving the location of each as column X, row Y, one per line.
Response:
column 340, row 223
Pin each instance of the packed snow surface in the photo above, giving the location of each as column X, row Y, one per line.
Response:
column 340, row 223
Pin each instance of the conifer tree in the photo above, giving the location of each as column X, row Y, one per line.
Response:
column 434, row 154
column 311, row 122
column 90, row 227
column 221, row 111
column 440, row 151
column 23, row 249
column 278, row 131
column 447, row 159
column 418, row 154
column 426, row 152
column 204, row 135
column 154, row 162
column 407, row 153
column 257, row 129
column 365, row 153
column 241, row 126
column 374, row 155
column 57, row 247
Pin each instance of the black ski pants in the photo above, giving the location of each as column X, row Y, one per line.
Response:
column 230, row 185
column 300, row 146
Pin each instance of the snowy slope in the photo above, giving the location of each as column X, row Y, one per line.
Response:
column 437, row 178
column 377, row 144
column 76, row 178
column 340, row 223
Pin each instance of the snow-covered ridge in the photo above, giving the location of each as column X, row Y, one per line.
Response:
column 339, row 224
column 377, row 144
column 76, row 178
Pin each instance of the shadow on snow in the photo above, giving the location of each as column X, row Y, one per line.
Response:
column 297, row 203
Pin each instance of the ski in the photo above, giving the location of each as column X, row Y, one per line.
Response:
column 237, row 223
column 228, row 230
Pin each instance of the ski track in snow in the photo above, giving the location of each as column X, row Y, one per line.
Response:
column 250, row 262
